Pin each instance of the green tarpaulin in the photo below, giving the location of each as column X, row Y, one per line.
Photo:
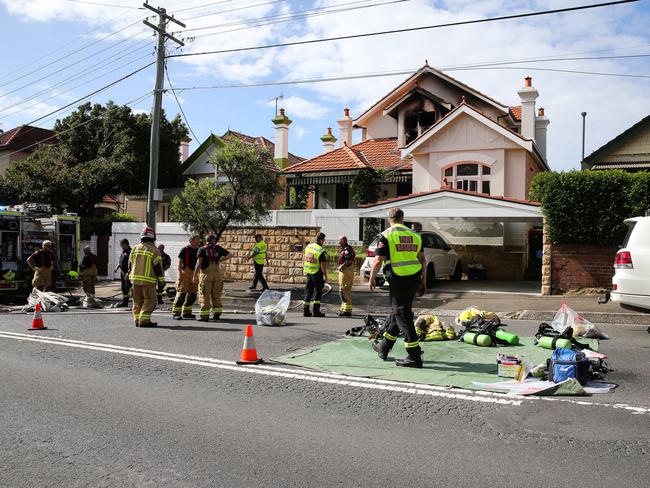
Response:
column 446, row 363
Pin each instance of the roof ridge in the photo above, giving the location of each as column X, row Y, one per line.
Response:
column 354, row 156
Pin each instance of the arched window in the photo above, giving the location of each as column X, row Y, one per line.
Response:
column 469, row 177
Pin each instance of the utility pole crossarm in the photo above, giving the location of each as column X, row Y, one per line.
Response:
column 163, row 33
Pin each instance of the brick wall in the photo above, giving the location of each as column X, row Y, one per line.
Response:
column 499, row 264
column 285, row 252
column 576, row 266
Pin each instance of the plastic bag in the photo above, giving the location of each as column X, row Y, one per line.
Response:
column 271, row 307
column 567, row 317
column 50, row 302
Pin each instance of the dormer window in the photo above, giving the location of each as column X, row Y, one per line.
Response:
column 416, row 123
column 469, row 177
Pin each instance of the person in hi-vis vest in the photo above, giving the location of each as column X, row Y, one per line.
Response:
column 260, row 258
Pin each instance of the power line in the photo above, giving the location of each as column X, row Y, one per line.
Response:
column 234, row 9
column 105, row 4
column 409, row 29
column 137, row 100
column 180, row 107
column 304, row 14
column 556, row 70
column 88, row 71
column 202, row 6
column 36, row 70
column 99, row 90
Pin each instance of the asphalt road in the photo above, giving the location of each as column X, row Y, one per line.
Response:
column 177, row 412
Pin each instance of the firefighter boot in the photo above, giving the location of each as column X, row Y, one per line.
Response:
column 305, row 311
column 382, row 347
column 413, row 360
column 317, row 312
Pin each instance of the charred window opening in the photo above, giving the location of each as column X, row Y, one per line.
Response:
column 427, row 119
column 410, row 127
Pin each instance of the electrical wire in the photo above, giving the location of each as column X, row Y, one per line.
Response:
column 180, row 107
column 99, row 90
column 233, row 10
column 88, row 71
column 36, row 70
column 132, row 102
column 105, row 4
column 409, row 29
column 309, row 13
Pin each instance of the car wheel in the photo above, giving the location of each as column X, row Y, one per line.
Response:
column 458, row 271
column 431, row 276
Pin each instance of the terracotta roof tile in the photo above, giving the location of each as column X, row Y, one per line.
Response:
column 26, row 138
column 372, row 153
column 516, row 112
column 264, row 142
column 451, row 190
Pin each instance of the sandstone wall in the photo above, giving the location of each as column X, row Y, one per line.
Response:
column 285, row 252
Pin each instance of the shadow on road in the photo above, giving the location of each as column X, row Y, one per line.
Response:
column 197, row 328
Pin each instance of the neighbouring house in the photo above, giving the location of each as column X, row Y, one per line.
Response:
column 461, row 164
column 20, row 142
column 629, row 151
column 197, row 165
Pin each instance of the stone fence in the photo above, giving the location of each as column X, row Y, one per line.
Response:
column 285, row 252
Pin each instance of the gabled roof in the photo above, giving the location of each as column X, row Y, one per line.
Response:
column 391, row 109
column 405, row 86
column 246, row 139
column 26, row 138
column 618, row 139
column 465, row 108
column 371, row 153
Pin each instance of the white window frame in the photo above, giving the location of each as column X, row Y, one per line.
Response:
column 479, row 179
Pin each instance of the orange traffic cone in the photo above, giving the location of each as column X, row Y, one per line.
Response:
column 249, row 353
column 37, row 321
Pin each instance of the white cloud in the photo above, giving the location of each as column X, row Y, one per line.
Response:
column 299, row 131
column 301, row 108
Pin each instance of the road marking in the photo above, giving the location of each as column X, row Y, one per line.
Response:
column 367, row 383
column 321, row 377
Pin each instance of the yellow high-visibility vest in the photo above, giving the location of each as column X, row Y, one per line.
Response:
column 404, row 246
column 311, row 264
column 142, row 258
column 259, row 251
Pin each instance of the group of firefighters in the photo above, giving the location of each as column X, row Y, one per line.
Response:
column 142, row 272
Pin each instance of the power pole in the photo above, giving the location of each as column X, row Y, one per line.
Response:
column 154, row 147
column 584, row 117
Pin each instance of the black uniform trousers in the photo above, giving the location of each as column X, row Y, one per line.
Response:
column 259, row 268
column 402, row 291
column 314, row 288
column 126, row 285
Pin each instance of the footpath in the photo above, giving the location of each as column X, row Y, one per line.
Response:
column 447, row 299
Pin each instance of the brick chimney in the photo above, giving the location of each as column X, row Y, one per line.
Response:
column 345, row 128
column 541, row 126
column 185, row 148
column 282, row 123
column 328, row 141
column 528, row 94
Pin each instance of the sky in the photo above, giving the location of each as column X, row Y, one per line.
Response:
column 56, row 51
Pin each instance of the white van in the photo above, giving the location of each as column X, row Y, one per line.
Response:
column 631, row 282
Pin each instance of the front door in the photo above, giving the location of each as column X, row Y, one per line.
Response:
column 535, row 247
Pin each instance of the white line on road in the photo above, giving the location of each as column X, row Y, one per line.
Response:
column 330, row 378
column 393, row 386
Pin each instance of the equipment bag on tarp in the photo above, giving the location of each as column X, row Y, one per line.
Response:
column 548, row 337
column 271, row 307
column 566, row 363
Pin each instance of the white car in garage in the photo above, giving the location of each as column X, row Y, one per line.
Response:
column 631, row 282
column 442, row 260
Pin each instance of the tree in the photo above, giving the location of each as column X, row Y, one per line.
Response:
column 208, row 206
column 103, row 150
column 366, row 188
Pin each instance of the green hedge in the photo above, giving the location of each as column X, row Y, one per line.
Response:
column 588, row 207
column 102, row 226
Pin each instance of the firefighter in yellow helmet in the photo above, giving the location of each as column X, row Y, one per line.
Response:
column 315, row 267
column 210, row 278
column 145, row 272
column 400, row 252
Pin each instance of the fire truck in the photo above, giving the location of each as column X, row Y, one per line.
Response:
column 23, row 228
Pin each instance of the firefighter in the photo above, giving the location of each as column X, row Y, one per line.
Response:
column 186, row 287
column 41, row 263
column 400, row 251
column 145, row 270
column 210, row 278
column 315, row 267
column 346, row 276
column 123, row 266
column 258, row 255
column 88, row 272
column 166, row 264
